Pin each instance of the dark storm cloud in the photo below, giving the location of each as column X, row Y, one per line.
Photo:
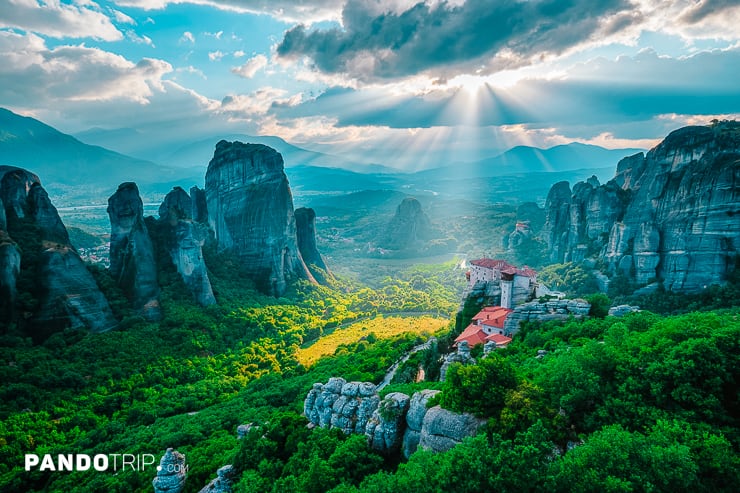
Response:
column 425, row 37
column 597, row 92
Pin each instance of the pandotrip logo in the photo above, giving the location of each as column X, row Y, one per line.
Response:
column 84, row 462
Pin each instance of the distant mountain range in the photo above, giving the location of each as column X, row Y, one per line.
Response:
column 191, row 154
column 524, row 159
column 60, row 158
column 77, row 168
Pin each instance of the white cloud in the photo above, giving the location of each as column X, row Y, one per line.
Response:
column 286, row 10
column 192, row 70
column 239, row 53
column 58, row 20
column 123, row 18
column 251, row 67
column 216, row 35
column 143, row 39
column 187, row 37
column 247, row 106
column 215, row 56
column 31, row 73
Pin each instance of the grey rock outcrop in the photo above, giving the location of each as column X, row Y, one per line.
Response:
column 622, row 310
column 10, row 267
column 184, row 241
column 250, row 209
column 223, row 482
column 409, row 226
column 443, row 429
column 67, row 293
column 669, row 215
column 396, row 423
column 415, row 420
column 199, row 211
column 385, row 429
column 171, row 473
column 132, row 262
column 175, row 206
column 305, row 220
column 341, row 404
column 462, row 356
column 543, row 312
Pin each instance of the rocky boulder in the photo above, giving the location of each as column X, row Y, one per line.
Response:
column 443, row 429
column 385, row 429
column 544, row 311
column 224, row 481
column 250, row 209
column 409, row 226
column 341, row 404
column 395, row 423
column 171, row 473
column 415, row 420
column 462, row 356
column 132, row 261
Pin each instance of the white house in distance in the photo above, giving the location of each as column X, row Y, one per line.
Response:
column 516, row 283
column 510, row 277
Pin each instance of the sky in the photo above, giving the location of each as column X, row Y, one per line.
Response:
column 405, row 83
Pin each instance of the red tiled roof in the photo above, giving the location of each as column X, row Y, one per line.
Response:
column 527, row 272
column 500, row 340
column 490, row 263
column 493, row 316
column 473, row 334
column 504, row 266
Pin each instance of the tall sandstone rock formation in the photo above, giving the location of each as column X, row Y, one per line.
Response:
column 67, row 294
column 305, row 219
column 184, row 240
column 132, row 262
column 250, row 209
column 409, row 226
column 670, row 215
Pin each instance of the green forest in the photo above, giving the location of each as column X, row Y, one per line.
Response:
column 647, row 402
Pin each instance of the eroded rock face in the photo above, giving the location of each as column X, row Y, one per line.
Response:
column 171, row 475
column 10, row 268
column 415, row 420
column 250, row 209
column 305, row 220
column 223, row 482
column 386, row 427
column 185, row 239
column 67, row 293
column 395, row 423
column 549, row 310
column 668, row 215
column 409, row 226
column 132, row 262
column 341, row 404
column 199, row 211
column 175, row 206
column 462, row 356
column 443, row 429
